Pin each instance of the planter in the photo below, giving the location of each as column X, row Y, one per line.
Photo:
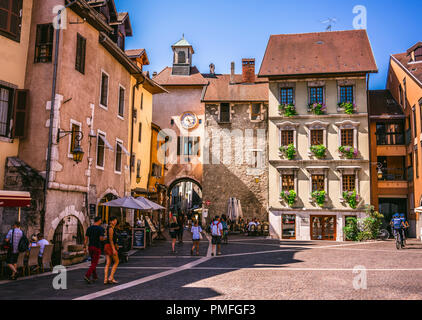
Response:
column 348, row 152
column 352, row 198
column 287, row 110
column 290, row 197
column 289, row 151
column 317, row 108
column 319, row 197
column 319, row 151
column 348, row 107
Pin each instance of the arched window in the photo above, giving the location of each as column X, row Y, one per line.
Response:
column 181, row 57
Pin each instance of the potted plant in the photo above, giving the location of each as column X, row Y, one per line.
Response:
column 352, row 198
column 348, row 107
column 348, row 152
column 287, row 110
column 319, row 151
column 290, row 197
column 317, row 108
column 289, row 151
column 319, row 197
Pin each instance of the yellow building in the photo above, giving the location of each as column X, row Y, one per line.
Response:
column 140, row 128
column 156, row 188
column 14, row 41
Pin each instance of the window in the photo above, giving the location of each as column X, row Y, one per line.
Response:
column 10, row 18
column 142, row 101
column 287, row 182
column 225, row 112
column 347, row 137
column 100, row 150
column 316, row 95
column 420, row 111
column 416, row 161
column 188, row 146
column 121, row 101
column 76, row 128
column 401, row 95
column 286, row 96
column 318, row 183
column 80, row 54
column 44, row 43
column 346, row 94
column 349, row 182
column 317, row 137
column 256, row 111
column 140, row 133
column 6, row 99
column 104, row 90
column 138, row 169
column 287, row 137
column 390, row 133
column 415, row 129
column 156, row 170
column 256, row 159
column 181, row 57
column 118, row 162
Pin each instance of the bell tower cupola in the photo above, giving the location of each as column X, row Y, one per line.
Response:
column 182, row 57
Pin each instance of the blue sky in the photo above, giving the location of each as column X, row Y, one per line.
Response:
column 222, row 31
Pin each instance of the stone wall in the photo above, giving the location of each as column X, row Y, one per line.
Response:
column 236, row 177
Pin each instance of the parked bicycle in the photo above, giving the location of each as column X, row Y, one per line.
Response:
column 383, row 235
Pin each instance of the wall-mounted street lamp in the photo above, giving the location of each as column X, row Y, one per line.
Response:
column 77, row 152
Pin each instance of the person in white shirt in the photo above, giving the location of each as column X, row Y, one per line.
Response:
column 196, row 237
column 42, row 243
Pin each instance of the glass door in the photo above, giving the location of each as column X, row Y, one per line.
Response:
column 288, row 227
column 323, row 228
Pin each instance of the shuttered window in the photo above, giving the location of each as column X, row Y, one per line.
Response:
column 80, row 54
column 11, row 18
column 121, row 101
column 104, row 90
column 6, row 99
column 44, row 43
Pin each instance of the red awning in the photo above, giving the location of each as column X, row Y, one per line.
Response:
column 15, row 199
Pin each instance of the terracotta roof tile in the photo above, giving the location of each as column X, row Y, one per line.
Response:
column 414, row 68
column 315, row 53
column 166, row 78
column 220, row 89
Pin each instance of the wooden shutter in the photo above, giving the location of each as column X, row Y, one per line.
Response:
column 21, row 109
column 179, row 146
column 80, row 54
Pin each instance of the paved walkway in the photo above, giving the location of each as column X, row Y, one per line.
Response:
column 250, row 268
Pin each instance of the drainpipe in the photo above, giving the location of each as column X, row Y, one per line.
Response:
column 370, row 140
column 135, row 87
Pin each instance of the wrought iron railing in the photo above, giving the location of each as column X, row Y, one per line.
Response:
column 393, row 174
column 390, row 139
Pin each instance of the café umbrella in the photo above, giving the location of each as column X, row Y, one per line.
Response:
column 15, row 199
column 153, row 205
column 128, row 203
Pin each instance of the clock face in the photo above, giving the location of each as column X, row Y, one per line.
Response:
column 189, row 120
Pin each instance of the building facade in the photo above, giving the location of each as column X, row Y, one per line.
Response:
column 319, row 161
column 236, row 115
column 180, row 113
column 405, row 84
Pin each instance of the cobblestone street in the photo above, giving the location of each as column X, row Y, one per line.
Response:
column 250, row 268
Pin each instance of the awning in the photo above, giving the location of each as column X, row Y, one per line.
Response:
column 15, row 199
column 123, row 148
column 418, row 209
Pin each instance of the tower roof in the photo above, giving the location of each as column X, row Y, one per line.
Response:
column 183, row 43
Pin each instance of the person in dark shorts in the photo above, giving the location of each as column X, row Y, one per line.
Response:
column 94, row 236
column 216, row 232
column 13, row 237
column 174, row 230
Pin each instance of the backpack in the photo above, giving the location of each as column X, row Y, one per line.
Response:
column 23, row 244
column 215, row 229
column 397, row 223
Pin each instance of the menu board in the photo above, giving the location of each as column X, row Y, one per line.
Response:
column 138, row 238
column 151, row 225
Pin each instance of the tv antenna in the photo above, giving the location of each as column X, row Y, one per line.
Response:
column 330, row 22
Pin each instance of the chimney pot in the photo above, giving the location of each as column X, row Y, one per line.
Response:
column 232, row 73
column 248, row 70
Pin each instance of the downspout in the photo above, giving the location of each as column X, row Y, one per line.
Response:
column 50, row 130
column 370, row 140
column 135, row 87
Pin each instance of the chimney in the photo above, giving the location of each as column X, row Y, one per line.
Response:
column 248, row 70
column 154, row 74
column 212, row 69
column 232, row 73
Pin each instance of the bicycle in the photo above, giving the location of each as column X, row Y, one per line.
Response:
column 399, row 240
column 383, row 235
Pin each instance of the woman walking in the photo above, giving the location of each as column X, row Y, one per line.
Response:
column 110, row 250
column 174, row 228
column 196, row 237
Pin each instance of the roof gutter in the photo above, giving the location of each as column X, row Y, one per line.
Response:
column 407, row 71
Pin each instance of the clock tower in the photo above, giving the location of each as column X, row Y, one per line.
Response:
column 182, row 57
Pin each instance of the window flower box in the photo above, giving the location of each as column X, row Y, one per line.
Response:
column 319, row 197
column 319, row 151
column 348, row 152
column 348, row 107
column 289, row 151
column 317, row 108
column 290, row 197
column 352, row 198
column 287, row 110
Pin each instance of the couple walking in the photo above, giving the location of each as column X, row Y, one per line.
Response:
column 95, row 237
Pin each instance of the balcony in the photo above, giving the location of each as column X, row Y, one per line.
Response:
column 410, row 174
column 408, row 137
column 392, row 174
column 390, row 139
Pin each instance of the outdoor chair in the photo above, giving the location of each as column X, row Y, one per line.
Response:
column 46, row 257
column 33, row 259
column 21, row 262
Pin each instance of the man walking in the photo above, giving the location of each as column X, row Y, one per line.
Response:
column 216, row 232
column 94, row 236
column 14, row 236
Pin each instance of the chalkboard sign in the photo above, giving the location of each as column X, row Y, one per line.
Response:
column 150, row 224
column 138, row 238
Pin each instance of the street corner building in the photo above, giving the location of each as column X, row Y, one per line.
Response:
column 319, row 155
column 236, row 121
column 82, row 147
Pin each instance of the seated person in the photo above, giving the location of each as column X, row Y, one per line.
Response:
column 33, row 242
